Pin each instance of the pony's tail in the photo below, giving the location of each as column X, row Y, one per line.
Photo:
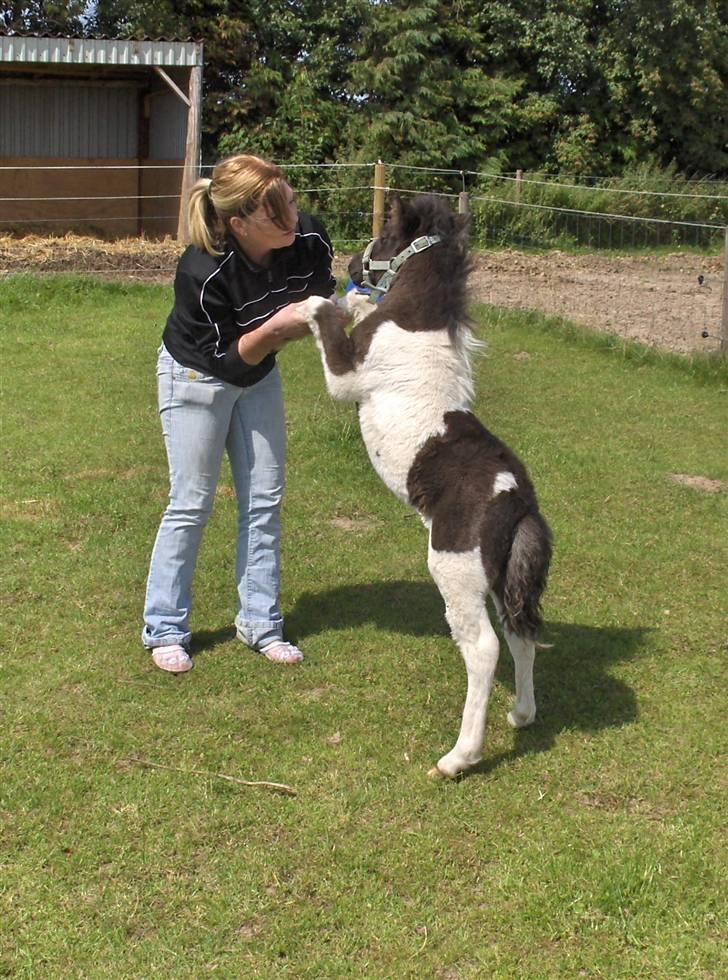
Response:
column 525, row 576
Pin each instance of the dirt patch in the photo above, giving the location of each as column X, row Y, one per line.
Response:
column 666, row 302
column 354, row 525
column 702, row 483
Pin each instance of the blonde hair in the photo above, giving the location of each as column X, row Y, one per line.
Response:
column 239, row 186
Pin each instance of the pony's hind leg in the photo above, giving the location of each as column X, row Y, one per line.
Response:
column 523, row 652
column 461, row 580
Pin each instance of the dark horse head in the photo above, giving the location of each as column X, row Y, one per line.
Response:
column 428, row 290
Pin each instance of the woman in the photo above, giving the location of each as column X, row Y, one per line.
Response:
column 252, row 258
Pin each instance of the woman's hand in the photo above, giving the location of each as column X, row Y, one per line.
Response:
column 280, row 329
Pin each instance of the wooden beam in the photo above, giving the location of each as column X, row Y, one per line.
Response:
column 192, row 150
column 379, row 192
column 172, row 84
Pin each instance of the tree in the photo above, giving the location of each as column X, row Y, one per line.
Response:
column 295, row 98
column 562, row 85
column 421, row 92
column 666, row 72
column 43, row 17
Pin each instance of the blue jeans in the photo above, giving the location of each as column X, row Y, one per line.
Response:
column 202, row 417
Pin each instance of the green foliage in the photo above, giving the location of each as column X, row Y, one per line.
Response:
column 544, row 213
column 43, row 16
column 422, row 92
column 664, row 68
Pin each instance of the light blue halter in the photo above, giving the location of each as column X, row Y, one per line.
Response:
column 390, row 267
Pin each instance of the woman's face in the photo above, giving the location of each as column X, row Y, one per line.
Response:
column 261, row 233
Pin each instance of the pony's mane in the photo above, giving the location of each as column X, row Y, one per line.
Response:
column 427, row 214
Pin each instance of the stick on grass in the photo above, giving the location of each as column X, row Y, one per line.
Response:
column 275, row 787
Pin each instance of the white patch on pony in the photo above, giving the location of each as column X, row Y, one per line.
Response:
column 408, row 381
column 358, row 305
column 504, row 482
column 461, row 578
column 309, row 308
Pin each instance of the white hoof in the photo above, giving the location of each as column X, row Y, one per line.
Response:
column 518, row 720
column 451, row 765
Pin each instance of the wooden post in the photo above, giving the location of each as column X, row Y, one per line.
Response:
column 378, row 209
column 463, row 203
column 192, row 150
column 519, row 178
column 724, row 318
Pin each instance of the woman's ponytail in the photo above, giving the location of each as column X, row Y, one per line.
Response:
column 205, row 227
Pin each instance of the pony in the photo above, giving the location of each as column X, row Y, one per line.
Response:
column 407, row 364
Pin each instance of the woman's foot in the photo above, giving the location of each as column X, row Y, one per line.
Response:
column 281, row 652
column 173, row 658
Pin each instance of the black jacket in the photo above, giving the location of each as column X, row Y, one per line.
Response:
column 217, row 298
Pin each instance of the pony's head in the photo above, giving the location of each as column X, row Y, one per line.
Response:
column 419, row 264
column 427, row 221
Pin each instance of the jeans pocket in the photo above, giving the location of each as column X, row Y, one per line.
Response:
column 193, row 387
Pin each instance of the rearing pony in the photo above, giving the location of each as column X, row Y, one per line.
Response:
column 407, row 365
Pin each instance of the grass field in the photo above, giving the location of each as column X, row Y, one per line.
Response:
column 591, row 845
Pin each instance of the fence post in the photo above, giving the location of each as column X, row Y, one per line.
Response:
column 724, row 318
column 519, row 179
column 378, row 209
column 463, row 203
column 192, row 150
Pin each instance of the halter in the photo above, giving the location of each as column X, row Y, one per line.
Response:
column 390, row 267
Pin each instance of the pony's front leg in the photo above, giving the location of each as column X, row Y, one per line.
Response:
column 335, row 346
column 461, row 580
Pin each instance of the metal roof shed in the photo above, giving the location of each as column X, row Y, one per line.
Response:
column 98, row 136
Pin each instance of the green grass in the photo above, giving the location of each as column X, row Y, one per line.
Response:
column 587, row 846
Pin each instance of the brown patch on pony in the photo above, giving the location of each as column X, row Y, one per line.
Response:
column 452, row 481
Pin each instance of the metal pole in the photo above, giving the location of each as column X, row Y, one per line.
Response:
column 379, row 188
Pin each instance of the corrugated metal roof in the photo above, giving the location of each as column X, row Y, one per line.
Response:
column 96, row 51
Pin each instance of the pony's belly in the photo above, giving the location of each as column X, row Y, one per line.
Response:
column 392, row 444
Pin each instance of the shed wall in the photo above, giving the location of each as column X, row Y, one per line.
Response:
column 167, row 126
column 117, row 200
column 69, row 120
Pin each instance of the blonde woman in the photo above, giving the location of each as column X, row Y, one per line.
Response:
column 252, row 258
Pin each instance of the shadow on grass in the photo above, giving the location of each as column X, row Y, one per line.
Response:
column 415, row 608
column 574, row 687
column 205, row 640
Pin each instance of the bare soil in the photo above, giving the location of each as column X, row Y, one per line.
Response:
column 666, row 302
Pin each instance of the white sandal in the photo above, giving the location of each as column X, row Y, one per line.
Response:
column 173, row 658
column 281, row 652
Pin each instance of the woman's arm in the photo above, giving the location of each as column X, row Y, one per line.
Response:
column 284, row 326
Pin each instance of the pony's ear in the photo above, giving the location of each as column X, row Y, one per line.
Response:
column 396, row 210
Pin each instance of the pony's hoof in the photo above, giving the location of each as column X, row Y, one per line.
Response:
column 436, row 773
column 517, row 720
